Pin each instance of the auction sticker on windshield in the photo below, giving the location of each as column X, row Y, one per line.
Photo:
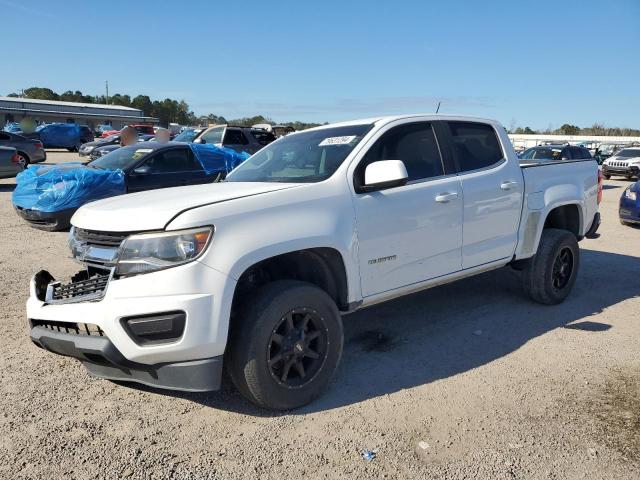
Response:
column 141, row 153
column 346, row 140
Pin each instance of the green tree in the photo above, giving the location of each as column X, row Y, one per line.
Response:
column 144, row 103
column 568, row 129
column 41, row 93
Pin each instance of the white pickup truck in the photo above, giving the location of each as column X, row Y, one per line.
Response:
column 255, row 272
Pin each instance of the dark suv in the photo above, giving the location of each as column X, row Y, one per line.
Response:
column 240, row 139
column 556, row 152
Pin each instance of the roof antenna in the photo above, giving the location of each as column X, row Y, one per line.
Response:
column 438, row 109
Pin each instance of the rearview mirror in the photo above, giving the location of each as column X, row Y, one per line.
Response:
column 384, row 174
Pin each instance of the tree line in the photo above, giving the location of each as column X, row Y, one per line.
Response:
column 166, row 111
column 568, row 129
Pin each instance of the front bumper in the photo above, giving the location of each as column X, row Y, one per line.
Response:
column 202, row 293
column 102, row 359
column 632, row 171
column 50, row 221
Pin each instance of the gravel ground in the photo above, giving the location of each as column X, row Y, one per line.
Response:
column 470, row 380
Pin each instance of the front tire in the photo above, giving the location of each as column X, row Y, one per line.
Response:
column 23, row 160
column 552, row 272
column 285, row 345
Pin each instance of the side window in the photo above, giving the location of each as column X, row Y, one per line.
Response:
column 263, row 137
column 415, row 144
column 586, row 153
column 234, row 137
column 4, row 137
column 174, row 160
column 214, row 135
column 475, row 145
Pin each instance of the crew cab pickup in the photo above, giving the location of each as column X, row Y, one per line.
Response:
column 256, row 272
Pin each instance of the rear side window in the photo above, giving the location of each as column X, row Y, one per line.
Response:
column 263, row 137
column 415, row 144
column 234, row 137
column 174, row 160
column 475, row 145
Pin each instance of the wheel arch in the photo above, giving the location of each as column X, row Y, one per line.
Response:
column 320, row 266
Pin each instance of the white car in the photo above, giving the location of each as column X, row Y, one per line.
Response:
column 256, row 272
column 626, row 163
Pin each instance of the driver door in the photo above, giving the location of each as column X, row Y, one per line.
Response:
column 411, row 233
column 171, row 167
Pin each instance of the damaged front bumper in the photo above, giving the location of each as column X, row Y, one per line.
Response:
column 160, row 329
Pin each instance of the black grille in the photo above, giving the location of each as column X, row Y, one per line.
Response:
column 69, row 327
column 104, row 239
column 93, row 285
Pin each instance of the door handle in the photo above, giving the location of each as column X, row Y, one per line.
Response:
column 508, row 185
column 445, row 197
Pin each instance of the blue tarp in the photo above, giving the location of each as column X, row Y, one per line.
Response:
column 60, row 187
column 65, row 135
column 217, row 159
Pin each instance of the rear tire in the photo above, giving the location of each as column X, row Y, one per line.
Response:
column 285, row 345
column 23, row 159
column 552, row 272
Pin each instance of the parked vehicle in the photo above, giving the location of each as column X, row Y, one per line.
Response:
column 86, row 149
column 629, row 210
column 9, row 163
column 62, row 135
column 556, row 152
column 140, row 128
column 624, row 163
column 188, row 134
column 28, row 149
column 256, row 271
column 13, row 127
column 100, row 129
column 47, row 198
column 240, row 139
column 102, row 150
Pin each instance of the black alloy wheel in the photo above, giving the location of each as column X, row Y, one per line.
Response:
column 297, row 348
column 562, row 269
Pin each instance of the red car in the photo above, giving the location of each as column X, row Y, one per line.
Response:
column 141, row 129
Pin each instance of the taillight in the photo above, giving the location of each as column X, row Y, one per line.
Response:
column 599, row 186
column 39, row 145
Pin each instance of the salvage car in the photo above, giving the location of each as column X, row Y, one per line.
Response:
column 629, row 210
column 29, row 150
column 86, row 149
column 255, row 273
column 625, row 163
column 62, row 135
column 240, row 139
column 556, row 152
column 48, row 197
column 9, row 163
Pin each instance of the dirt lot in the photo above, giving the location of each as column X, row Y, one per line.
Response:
column 470, row 380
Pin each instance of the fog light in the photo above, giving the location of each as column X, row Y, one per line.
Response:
column 156, row 328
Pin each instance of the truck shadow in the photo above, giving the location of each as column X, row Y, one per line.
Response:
column 452, row 329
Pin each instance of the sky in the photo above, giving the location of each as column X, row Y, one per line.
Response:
column 525, row 63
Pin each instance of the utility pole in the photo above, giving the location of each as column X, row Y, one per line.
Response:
column 438, row 109
column 107, row 98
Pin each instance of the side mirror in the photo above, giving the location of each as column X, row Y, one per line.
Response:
column 142, row 170
column 200, row 140
column 384, row 174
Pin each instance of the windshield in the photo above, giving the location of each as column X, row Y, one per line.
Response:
column 121, row 158
column 544, row 153
column 187, row 136
column 306, row 157
column 628, row 153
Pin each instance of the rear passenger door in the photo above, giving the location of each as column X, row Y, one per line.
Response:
column 235, row 139
column 492, row 188
column 172, row 167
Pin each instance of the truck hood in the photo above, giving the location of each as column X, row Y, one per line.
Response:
column 154, row 209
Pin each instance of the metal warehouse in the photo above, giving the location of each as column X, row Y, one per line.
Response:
column 14, row 109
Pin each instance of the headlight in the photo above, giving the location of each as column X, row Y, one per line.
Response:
column 156, row 251
column 630, row 195
column 88, row 149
